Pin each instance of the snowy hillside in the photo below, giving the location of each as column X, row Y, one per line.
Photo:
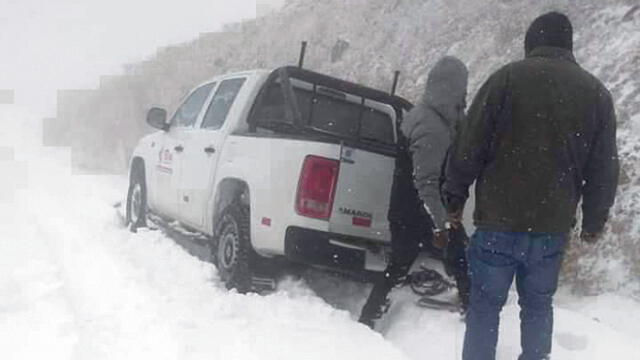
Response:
column 365, row 41
column 74, row 284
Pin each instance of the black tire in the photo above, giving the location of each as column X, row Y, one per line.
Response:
column 137, row 200
column 232, row 252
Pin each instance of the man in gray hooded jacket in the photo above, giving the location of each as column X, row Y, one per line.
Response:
column 430, row 129
column 425, row 136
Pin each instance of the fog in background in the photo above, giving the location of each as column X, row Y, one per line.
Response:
column 69, row 44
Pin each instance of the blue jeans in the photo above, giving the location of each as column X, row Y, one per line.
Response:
column 494, row 259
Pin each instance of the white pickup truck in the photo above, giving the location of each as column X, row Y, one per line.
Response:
column 283, row 163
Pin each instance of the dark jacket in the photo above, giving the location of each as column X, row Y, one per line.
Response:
column 540, row 134
column 405, row 208
column 429, row 128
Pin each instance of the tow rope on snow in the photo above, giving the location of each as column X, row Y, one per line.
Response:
column 428, row 282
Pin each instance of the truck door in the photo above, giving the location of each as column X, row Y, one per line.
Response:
column 202, row 151
column 171, row 149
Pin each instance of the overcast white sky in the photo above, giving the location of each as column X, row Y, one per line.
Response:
column 67, row 44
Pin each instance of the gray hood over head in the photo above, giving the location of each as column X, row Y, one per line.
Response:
column 446, row 88
column 429, row 127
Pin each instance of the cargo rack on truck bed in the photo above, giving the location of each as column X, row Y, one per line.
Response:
column 291, row 118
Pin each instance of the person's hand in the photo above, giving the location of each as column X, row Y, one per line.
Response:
column 589, row 237
column 454, row 219
column 455, row 208
column 440, row 239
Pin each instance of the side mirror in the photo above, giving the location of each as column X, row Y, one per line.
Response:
column 157, row 118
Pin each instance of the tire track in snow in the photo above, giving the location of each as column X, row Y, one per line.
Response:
column 35, row 317
column 221, row 324
column 115, row 318
column 143, row 296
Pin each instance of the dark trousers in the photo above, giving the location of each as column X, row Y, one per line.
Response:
column 495, row 258
column 405, row 248
column 406, row 245
column 455, row 263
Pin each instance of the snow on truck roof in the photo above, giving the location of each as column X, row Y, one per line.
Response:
column 328, row 80
column 235, row 74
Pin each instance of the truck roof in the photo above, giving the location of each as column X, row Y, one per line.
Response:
column 239, row 73
column 328, row 80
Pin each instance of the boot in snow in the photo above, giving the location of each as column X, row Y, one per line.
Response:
column 377, row 303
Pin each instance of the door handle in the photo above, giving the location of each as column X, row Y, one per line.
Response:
column 210, row 149
column 178, row 148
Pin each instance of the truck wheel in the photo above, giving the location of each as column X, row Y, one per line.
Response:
column 137, row 200
column 232, row 253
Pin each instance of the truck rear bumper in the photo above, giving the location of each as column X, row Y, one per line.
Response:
column 334, row 251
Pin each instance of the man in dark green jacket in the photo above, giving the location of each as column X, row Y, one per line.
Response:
column 540, row 135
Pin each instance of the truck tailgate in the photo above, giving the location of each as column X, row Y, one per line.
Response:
column 362, row 195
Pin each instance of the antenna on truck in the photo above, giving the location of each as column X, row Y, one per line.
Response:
column 303, row 50
column 396, row 76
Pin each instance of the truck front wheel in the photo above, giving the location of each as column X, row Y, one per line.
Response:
column 232, row 253
column 137, row 200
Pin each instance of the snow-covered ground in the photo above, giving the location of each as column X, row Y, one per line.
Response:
column 74, row 284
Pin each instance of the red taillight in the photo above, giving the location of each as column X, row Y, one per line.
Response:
column 317, row 187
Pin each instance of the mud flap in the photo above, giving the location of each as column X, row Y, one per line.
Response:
column 376, row 260
column 263, row 284
column 121, row 218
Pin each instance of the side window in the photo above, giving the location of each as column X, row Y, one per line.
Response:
column 272, row 105
column 221, row 103
column 187, row 113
